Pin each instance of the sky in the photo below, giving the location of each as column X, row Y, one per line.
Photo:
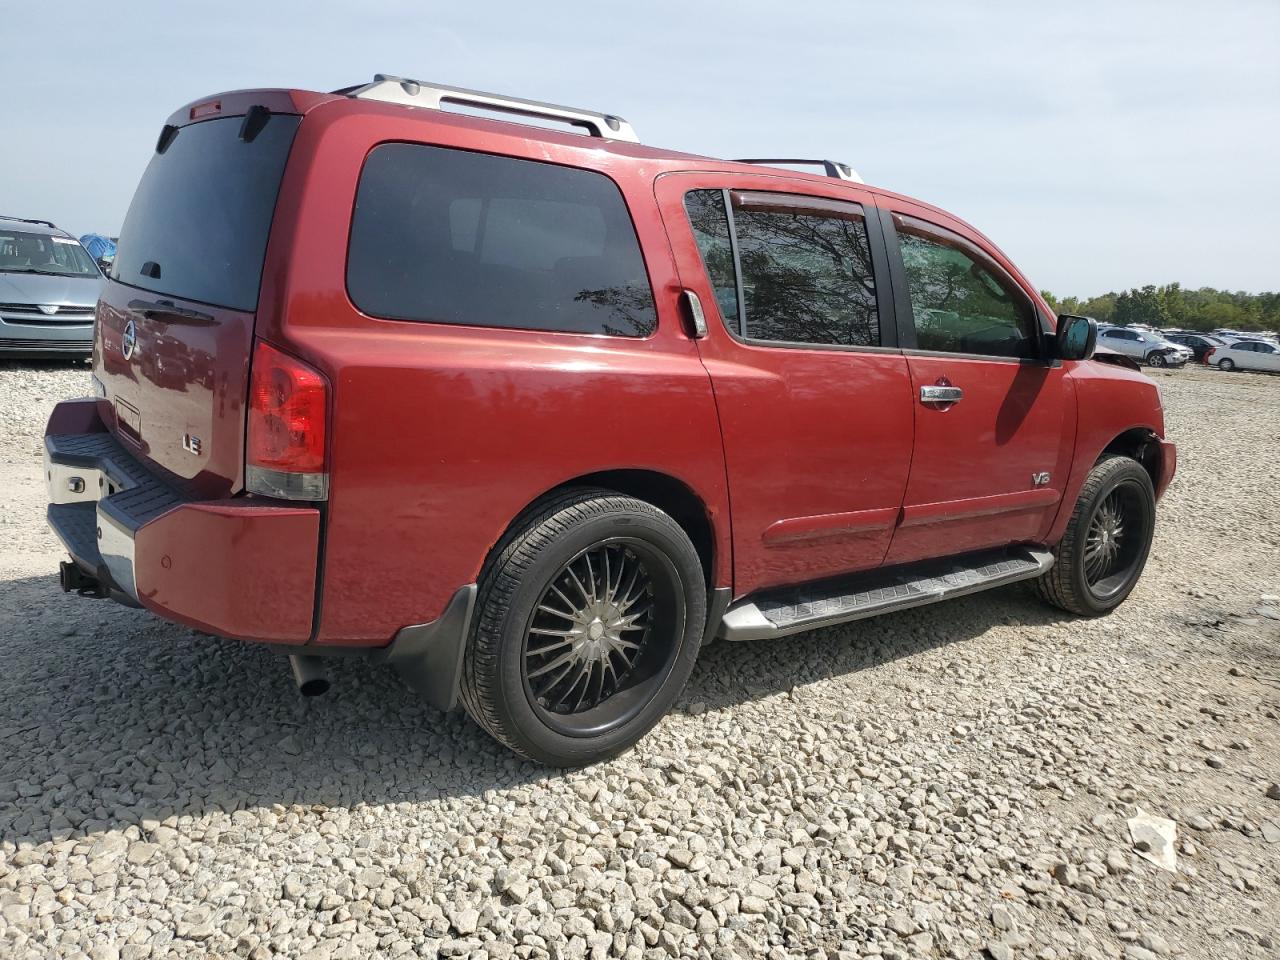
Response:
column 1101, row 145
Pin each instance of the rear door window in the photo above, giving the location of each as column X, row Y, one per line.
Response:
column 805, row 264
column 449, row 236
column 199, row 221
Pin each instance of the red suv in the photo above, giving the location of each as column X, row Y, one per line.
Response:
column 532, row 414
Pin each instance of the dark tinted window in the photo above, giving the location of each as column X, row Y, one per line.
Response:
column 456, row 237
column 962, row 303
column 710, row 224
column 198, row 224
column 806, row 270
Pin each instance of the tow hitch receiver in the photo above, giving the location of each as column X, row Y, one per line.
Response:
column 75, row 580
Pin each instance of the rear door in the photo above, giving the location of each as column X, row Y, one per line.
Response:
column 176, row 320
column 812, row 393
column 994, row 419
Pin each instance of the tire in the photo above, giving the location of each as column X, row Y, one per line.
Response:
column 1226, row 364
column 1069, row 584
column 1156, row 360
column 519, row 634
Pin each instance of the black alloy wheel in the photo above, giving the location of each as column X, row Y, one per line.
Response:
column 1105, row 547
column 601, row 640
column 589, row 617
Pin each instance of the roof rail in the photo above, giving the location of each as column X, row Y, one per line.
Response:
column 43, row 223
column 419, row 93
column 841, row 171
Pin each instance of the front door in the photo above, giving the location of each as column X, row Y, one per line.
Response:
column 994, row 419
column 814, row 398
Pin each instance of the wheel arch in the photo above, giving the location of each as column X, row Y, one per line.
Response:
column 664, row 491
column 1137, row 443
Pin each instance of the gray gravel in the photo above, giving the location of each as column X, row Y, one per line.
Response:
column 953, row 781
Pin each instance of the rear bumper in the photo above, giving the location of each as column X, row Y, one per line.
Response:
column 238, row 568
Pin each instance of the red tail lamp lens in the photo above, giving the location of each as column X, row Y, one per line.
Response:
column 287, row 401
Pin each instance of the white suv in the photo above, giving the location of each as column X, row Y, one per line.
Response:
column 1145, row 346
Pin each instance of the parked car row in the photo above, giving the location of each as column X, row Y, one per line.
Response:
column 1225, row 349
column 49, row 288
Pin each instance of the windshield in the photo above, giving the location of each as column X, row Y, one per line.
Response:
column 23, row 252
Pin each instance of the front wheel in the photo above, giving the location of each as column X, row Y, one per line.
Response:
column 1226, row 365
column 588, row 623
column 1157, row 360
column 1106, row 542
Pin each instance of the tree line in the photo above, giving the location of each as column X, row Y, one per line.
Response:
column 1172, row 306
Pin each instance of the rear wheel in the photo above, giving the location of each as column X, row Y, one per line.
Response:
column 1107, row 540
column 1226, row 364
column 587, row 625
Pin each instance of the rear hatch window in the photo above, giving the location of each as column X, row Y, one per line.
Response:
column 175, row 326
column 198, row 225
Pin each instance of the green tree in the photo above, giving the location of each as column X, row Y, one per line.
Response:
column 1141, row 306
column 1173, row 305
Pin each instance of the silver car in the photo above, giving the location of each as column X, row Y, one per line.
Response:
column 49, row 288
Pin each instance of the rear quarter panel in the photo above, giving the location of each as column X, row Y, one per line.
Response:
column 441, row 435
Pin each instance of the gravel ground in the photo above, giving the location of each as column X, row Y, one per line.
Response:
column 952, row 781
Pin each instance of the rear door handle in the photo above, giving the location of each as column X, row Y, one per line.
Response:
column 697, row 317
column 941, row 395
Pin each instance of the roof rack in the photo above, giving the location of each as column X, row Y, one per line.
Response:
column 43, row 223
column 418, row 93
column 841, row 171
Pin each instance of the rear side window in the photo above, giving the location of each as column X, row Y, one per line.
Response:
column 450, row 236
column 962, row 302
column 199, row 221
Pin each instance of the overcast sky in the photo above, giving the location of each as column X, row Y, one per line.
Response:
column 1102, row 145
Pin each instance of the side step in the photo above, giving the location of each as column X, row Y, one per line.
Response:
column 780, row 613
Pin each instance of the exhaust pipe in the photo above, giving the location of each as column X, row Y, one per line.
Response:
column 308, row 674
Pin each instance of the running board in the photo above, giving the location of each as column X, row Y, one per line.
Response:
column 780, row 613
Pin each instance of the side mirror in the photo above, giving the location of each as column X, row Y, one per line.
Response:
column 1076, row 337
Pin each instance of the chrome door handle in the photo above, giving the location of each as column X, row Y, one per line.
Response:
column 941, row 395
column 696, row 314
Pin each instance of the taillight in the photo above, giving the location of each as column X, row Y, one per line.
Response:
column 286, row 427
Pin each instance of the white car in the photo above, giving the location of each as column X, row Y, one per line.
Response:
column 1247, row 355
column 1144, row 346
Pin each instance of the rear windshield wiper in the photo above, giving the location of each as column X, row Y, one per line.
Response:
column 153, row 309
